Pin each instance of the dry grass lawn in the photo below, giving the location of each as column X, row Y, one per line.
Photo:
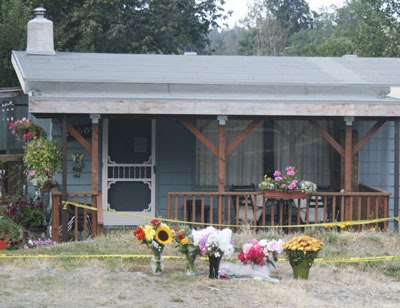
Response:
column 115, row 282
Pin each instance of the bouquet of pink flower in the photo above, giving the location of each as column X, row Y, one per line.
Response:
column 252, row 253
column 287, row 183
column 261, row 252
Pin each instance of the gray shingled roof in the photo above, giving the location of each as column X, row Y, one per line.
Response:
column 243, row 79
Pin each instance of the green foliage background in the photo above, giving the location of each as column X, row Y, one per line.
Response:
column 368, row 28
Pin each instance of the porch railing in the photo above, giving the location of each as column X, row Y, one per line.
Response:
column 238, row 208
column 71, row 222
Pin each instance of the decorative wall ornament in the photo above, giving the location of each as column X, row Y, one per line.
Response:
column 77, row 164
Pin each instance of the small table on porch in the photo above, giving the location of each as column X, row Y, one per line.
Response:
column 285, row 199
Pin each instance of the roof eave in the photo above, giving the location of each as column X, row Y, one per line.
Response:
column 19, row 71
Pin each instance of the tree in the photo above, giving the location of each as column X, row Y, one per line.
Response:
column 294, row 15
column 363, row 23
column 321, row 40
column 133, row 26
column 13, row 18
column 270, row 23
column 367, row 28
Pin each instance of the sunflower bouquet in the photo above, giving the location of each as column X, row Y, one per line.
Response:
column 185, row 245
column 301, row 252
column 155, row 236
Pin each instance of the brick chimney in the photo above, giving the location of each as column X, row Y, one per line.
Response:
column 40, row 34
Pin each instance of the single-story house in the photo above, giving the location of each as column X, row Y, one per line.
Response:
column 151, row 126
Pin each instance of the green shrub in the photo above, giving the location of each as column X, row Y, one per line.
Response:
column 9, row 229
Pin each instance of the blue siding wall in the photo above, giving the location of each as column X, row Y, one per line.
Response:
column 84, row 182
column 174, row 162
column 377, row 158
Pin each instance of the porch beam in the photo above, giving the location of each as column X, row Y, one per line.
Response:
column 207, row 106
column 327, row 137
column 368, row 136
column 239, row 138
column 82, row 141
column 207, row 143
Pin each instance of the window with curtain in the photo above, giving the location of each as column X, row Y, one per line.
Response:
column 244, row 165
column 298, row 144
column 273, row 145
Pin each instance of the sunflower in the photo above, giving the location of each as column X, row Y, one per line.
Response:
column 164, row 235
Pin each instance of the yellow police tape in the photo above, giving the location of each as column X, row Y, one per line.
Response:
column 342, row 224
column 140, row 256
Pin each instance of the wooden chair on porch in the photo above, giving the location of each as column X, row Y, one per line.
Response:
column 242, row 200
column 315, row 202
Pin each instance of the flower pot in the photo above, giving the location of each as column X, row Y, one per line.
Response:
column 301, row 270
column 157, row 264
column 213, row 266
column 4, row 243
column 275, row 194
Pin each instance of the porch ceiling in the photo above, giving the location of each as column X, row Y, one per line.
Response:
column 204, row 85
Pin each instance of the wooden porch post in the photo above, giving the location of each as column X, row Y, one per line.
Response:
column 221, row 153
column 64, row 196
column 95, row 170
column 348, row 155
column 396, row 172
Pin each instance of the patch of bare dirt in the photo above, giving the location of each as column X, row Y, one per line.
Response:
column 98, row 284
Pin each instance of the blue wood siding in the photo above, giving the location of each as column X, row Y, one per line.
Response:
column 174, row 162
column 84, row 182
column 377, row 158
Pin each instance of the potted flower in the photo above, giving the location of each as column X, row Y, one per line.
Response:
column 288, row 183
column 25, row 130
column 42, row 159
column 10, row 234
column 27, row 214
column 155, row 236
column 185, row 244
column 215, row 244
column 301, row 252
